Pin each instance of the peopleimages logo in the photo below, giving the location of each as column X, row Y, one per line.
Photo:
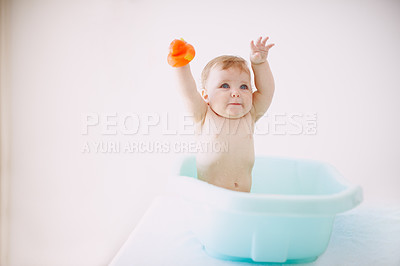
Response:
column 183, row 124
column 137, row 130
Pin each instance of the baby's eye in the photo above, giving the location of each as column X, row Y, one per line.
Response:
column 244, row 87
column 225, row 86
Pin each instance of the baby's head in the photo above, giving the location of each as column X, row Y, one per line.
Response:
column 226, row 86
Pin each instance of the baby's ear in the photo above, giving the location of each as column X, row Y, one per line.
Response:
column 204, row 95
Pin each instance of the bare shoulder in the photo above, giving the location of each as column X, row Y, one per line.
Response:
column 202, row 118
column 200, row 114
column 253, row 114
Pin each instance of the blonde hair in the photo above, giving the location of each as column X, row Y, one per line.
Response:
column 225, row 61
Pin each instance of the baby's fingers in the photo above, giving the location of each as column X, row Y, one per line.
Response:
column 270, row 45
column 265, row 41
column 253, row 47
column 259, row 41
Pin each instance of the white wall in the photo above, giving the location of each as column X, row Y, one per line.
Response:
column 337, row 59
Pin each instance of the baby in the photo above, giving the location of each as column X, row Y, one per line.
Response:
column 226, row 111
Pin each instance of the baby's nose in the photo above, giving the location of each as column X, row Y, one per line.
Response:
column 235, row 93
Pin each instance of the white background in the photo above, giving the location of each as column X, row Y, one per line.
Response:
column 337, row 59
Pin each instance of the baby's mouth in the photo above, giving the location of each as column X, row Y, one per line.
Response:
column 234, row 104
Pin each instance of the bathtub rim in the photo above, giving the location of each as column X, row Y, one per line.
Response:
column 202, row 192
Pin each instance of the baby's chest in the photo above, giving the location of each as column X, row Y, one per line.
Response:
column 221, row 128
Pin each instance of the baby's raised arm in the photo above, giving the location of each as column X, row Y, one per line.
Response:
column 179, row 57
column 263, row 78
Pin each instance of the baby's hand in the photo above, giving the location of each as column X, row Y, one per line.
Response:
column 259, row 51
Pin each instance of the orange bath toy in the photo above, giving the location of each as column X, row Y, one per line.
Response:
column 180, row 53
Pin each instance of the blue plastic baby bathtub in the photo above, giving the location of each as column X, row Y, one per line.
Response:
column 287, row 217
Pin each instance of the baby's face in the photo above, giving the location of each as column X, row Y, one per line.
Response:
column 229, row 92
